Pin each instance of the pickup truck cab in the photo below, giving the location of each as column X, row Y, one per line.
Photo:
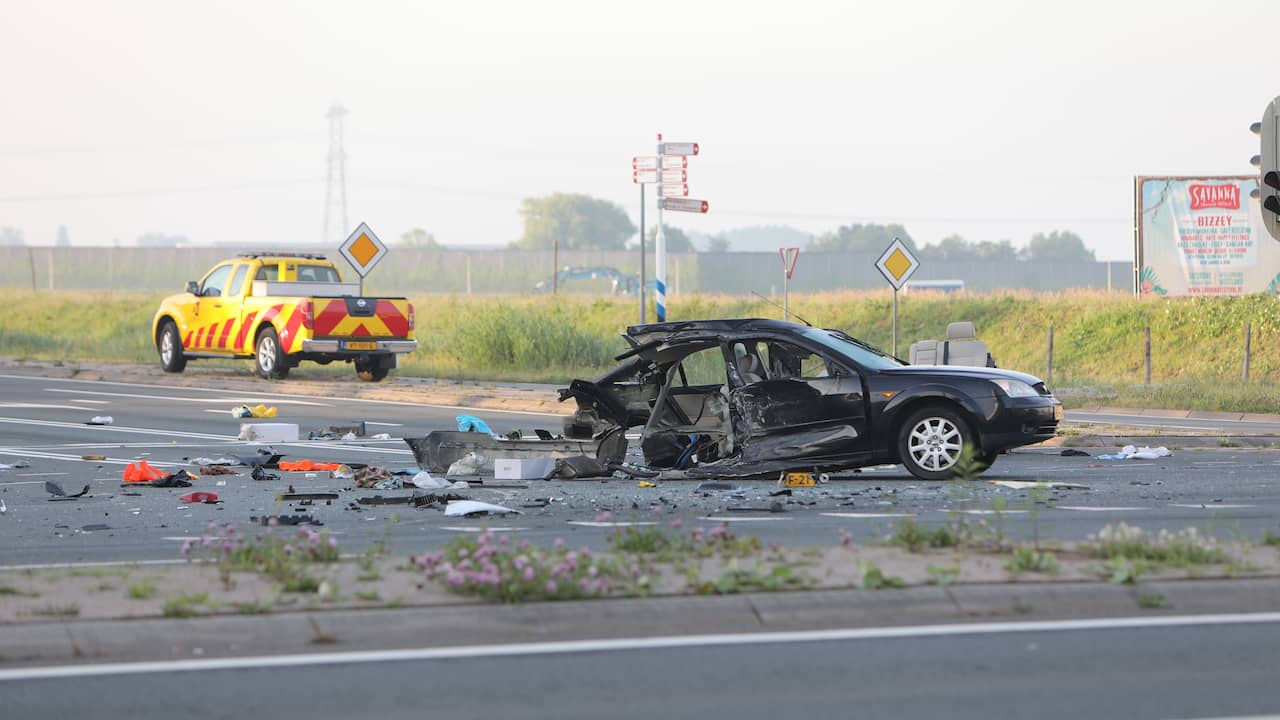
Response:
column 281, row 308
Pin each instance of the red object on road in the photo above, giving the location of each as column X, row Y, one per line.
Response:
column 200, row 496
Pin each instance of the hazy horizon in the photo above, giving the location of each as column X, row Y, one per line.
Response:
column 991, row 120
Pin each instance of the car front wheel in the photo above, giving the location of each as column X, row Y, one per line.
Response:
column 170, row 347
column 269, row 358
column 931, row 441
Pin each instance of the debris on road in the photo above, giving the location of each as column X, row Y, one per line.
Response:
column 334, row 432
column 523, row 468
column 100, row 420
column 58, row 493
column 469, row 464
column 140, row 472
column 1072, row 452
column 258, row 411
column 648, row 484
column 216, row 470
column 93, row 457
column 307, row 466
column 1138, row 453
column 471, row 423
column 380, row 500
column 205, row 461
column 264, row 456
column 269, row 432
column 1026, row 485
column 306, row 495
column 426, row 481
column 371, row 476
column 440, row 449
column 269, row 520
column 467, row 508
column 262, row 475
column 200, row 496
column 94, row 527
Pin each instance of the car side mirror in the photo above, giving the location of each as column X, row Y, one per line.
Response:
column 193, row 287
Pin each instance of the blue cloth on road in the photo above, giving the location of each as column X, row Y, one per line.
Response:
column 471, row 423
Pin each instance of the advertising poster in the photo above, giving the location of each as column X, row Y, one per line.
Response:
column 1203, row 237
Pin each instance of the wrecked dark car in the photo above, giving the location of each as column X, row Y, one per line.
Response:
column 752, row 396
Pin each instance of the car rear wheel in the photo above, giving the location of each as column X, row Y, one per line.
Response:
column 931, row 441
column 371, row 370
column 269, row 359
column 169, row 345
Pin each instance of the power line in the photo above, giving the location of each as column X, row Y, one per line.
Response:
column 111, row 194
column 335, row 188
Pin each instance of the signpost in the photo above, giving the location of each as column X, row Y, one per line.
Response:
column 896, row 264
column 668, row 169
column 363, row 250
column 789, row 257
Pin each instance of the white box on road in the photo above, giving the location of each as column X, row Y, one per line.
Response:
column 269, row 432
column 522, row 468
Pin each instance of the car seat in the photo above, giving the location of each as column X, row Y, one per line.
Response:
column 963, row 346
column 748, row 365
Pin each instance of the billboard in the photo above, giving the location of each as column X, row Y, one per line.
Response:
column 1202, row 237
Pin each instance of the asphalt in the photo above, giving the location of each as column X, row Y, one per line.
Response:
column 1227, row 491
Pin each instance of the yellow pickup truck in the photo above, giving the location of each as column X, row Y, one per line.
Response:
column 280, row 308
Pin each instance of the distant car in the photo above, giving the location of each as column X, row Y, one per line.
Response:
column 750, row 396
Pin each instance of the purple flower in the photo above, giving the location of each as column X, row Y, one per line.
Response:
column 605, row 516
column 528, row 574
column 552, row 587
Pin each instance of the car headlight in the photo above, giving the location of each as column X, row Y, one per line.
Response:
column 1015, row 388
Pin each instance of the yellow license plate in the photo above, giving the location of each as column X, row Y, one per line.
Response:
column 798, row 479
column 356, row 345
column 1057, row 412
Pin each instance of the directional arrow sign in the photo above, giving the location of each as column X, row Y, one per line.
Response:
column 684, row 204
column 897, row 263
column 644, row 176
column 678, row 148
column 674, row 162
column 675, row 176
column 675, row 190
column 645, row 162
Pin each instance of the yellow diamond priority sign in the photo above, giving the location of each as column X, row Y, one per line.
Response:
column 897, row 263
column 363, row 249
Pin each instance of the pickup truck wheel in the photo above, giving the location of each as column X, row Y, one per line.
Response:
column 269, row 358
column 169, row 344
column 931, row 440
column 371, row 371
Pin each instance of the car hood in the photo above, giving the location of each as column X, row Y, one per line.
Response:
column 962, row 371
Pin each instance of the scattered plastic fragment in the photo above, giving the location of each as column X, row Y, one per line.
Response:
column 285, row 520
column 1139, row 453
column 212, row 461
column 307, row 466
column 307, row 495
column 380, row 500
column 22, row 464
column 141, row 472
column 780, row 493
column 471, row 423
column 269, row 432
column 3, row 509
column 469, row 464
column 467, row 508
column 95, row 527
column 380, row 436
column 93, row 457
column 262, row 475
column 200, row 496
column 216, row 470
column 5, row 467
column 58, row 493
column 1072, row 452
column 718, row 487
column 257, row 411
column 367, row 477
column 100, row 420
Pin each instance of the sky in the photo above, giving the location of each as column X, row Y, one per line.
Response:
column 990, row 119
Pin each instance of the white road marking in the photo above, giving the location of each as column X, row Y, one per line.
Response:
column 746, row 518
column 40, row 406
column 92, row 402
column 635, row 643
column 383, row 424
column 1208, row 506
column 339, row 400
column 23, row 482
column 596, row 523
column 115, row 428
column 479, row 528
column 106, row 563
column 234, row 400
column 1025, row 485
column 866, row 515
column 1084, row 508
column 992, row 512
column 44, row 474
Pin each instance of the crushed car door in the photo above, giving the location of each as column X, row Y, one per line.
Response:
column 789, row 402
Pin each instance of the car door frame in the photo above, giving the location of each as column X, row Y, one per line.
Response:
column 796, row 417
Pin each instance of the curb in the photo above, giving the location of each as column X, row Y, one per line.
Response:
column 83, row 642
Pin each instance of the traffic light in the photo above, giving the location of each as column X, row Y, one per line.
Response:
column 1268, row 164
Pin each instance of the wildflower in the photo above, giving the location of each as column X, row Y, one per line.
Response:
column 605, row 516
column 528, row 574
column 552, row 587
column 846, row 537
column 186, row 546
column 677, row 523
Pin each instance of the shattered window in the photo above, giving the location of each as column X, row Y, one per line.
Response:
column 791, row 361
column 705, row 367
column 855, row 350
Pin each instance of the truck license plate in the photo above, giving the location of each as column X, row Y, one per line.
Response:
column 360, row 345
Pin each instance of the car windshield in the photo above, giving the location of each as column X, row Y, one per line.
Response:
column 856, row 350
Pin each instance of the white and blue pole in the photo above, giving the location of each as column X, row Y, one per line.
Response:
column 660, row 251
